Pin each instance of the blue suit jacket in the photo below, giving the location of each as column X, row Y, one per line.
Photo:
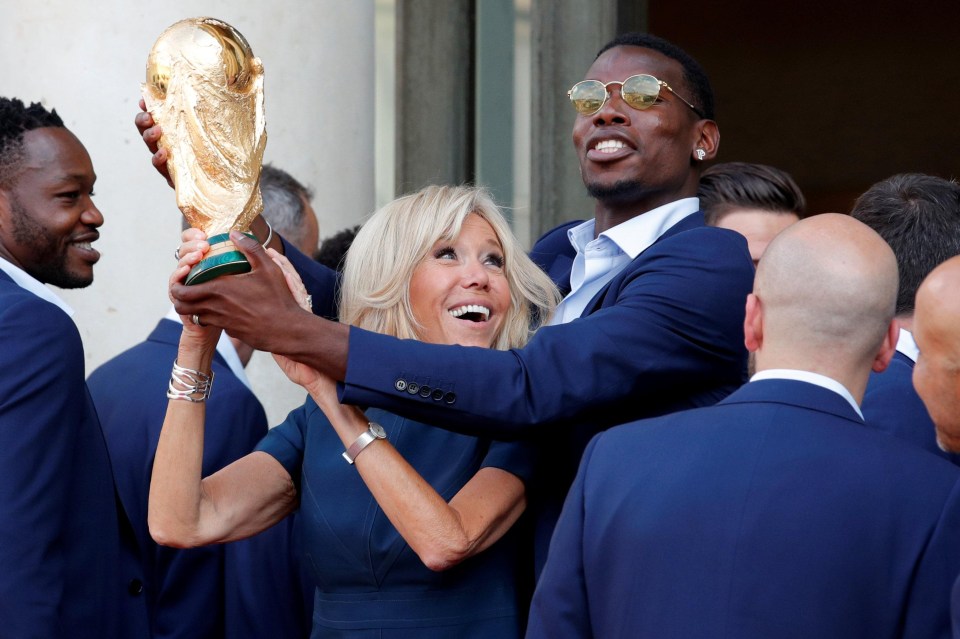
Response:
column 67, row 562
column 776, row 513
column 664, row 335
column 247, row 588
column 892, row 405
column 955, row 605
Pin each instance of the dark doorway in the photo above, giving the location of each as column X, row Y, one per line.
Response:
column 841, row 94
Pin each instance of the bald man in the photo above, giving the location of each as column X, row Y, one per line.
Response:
column 775, row 513
column 936, row 326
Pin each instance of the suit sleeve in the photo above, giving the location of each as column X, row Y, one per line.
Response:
column 674, row 331
column 322, row 283
column 560, row 606
column 41, row 377
column 270, row 594
column 928, row 606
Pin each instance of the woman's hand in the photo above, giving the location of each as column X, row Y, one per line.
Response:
column 191, row 251
column 320, row 387
column 193, row 246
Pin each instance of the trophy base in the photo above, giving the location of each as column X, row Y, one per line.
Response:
column 223, row 258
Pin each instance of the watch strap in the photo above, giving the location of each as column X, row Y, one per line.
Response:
column 367, row 437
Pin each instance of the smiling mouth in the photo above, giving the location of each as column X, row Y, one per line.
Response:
column 471, row 312
column 609, row 146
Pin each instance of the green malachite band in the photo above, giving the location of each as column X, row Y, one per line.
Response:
column 229, row 263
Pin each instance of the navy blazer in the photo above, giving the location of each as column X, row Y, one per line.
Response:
column 68, row 566
column 955, row 605
column 248, row 588
column 776, row 513
column 892, row 405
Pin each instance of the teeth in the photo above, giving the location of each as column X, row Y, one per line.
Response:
column 470, row 308
column 83, row 245
column 609, row 146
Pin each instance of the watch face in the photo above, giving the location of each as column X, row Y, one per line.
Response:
column 377, row 430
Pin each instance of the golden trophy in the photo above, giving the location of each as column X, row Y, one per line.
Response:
column 205, row 89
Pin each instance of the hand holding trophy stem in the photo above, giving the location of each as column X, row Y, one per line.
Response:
column 205, row 89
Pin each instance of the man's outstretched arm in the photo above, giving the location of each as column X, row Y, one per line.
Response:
column 672, row 339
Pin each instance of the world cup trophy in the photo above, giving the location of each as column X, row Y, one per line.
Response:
column 205, row 89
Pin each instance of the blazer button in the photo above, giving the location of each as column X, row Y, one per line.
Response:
column 437, row 394
column 400, row 384
column 425, row 391
column 413, row 388
column 135, row 587
column 450, row 397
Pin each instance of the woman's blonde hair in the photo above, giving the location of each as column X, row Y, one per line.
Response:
column 375, row 292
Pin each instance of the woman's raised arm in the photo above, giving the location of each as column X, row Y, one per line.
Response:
column 240, row 500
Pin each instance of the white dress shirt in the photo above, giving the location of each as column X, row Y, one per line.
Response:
column 907, row 346
column 599, row 259
column 811, row 378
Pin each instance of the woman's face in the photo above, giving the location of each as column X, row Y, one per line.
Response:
column 459, row 292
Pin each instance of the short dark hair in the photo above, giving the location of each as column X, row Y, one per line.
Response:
column 284, row 202
column 693, row 74
column 334, row 248
column 15, row 120
column 918, row 215
column 744, row 185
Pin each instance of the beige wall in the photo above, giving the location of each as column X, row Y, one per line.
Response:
column 87, row 60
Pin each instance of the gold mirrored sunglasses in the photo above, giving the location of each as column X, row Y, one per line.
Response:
column 640, row 91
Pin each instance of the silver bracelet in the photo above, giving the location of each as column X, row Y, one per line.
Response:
column 192, row 386
column 269, row 234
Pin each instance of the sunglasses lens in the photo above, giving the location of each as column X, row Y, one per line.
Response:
column 588, row 96
column 640, row 91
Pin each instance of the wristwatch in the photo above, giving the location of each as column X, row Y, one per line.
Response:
column 374, row 432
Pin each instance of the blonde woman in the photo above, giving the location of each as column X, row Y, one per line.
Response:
column 392, row 511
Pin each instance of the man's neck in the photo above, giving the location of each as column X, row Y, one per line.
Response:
column 609, row 214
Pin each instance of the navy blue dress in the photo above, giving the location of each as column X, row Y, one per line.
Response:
column 369, row 583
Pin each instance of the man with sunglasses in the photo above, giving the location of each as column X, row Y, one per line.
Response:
column 652, row 318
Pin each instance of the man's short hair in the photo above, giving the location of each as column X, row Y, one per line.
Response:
column 742, row 185
column 334, row 249
column 919, row 217
column 284, row 202
column 693, row 74
column 15, row 120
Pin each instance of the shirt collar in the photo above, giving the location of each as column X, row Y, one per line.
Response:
column 907, row 346
column 33, row 285
column 811, row 378
column 636, row 234
column 224, row 347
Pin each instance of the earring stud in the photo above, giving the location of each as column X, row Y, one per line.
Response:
column 701, row 154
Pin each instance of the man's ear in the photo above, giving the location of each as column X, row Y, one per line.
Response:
column 708, row 140
column 887, row 348
column 4, row 208
column 753, row 324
